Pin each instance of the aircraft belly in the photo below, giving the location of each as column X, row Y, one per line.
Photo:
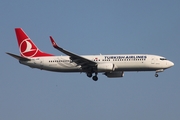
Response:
column 57, row 67
column 64, row 70
column 135, row 66
column 69, row 67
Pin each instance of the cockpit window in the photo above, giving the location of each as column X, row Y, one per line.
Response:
column 163, row 59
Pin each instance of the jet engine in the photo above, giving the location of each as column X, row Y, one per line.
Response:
column 105, row 67
column 114, row 74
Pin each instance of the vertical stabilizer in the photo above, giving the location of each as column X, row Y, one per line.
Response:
column 26, row 46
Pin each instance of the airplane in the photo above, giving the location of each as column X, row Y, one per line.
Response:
column 113, row 66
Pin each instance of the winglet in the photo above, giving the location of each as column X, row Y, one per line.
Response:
column 53, row 42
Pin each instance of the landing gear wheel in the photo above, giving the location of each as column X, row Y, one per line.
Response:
column 95, row 78
column 156, row 75
column 89, row 75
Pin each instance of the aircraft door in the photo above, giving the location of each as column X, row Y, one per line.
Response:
column 153, row 61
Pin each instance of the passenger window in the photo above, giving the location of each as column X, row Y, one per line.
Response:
column 163, row 59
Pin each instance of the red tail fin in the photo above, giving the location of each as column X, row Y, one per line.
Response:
column 26, row 46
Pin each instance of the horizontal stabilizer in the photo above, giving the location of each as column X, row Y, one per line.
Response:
column 18, row 57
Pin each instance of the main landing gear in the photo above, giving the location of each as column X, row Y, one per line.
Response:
column 95, row 78
column 89, row 75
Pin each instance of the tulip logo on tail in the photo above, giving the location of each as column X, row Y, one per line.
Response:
column 27, row 48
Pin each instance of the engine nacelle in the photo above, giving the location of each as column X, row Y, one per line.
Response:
column 105, row 67
column 114, row 74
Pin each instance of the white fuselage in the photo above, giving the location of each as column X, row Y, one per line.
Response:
column 129, row 62
column 112, row 66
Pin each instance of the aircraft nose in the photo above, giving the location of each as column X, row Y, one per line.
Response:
column 170, row 64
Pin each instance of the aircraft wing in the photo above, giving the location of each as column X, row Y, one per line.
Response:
column 79, row 60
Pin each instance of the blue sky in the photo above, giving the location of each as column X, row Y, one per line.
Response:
column 91, row 27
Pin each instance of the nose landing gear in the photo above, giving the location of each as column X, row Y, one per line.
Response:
column 156, row 75
column 157, row 71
